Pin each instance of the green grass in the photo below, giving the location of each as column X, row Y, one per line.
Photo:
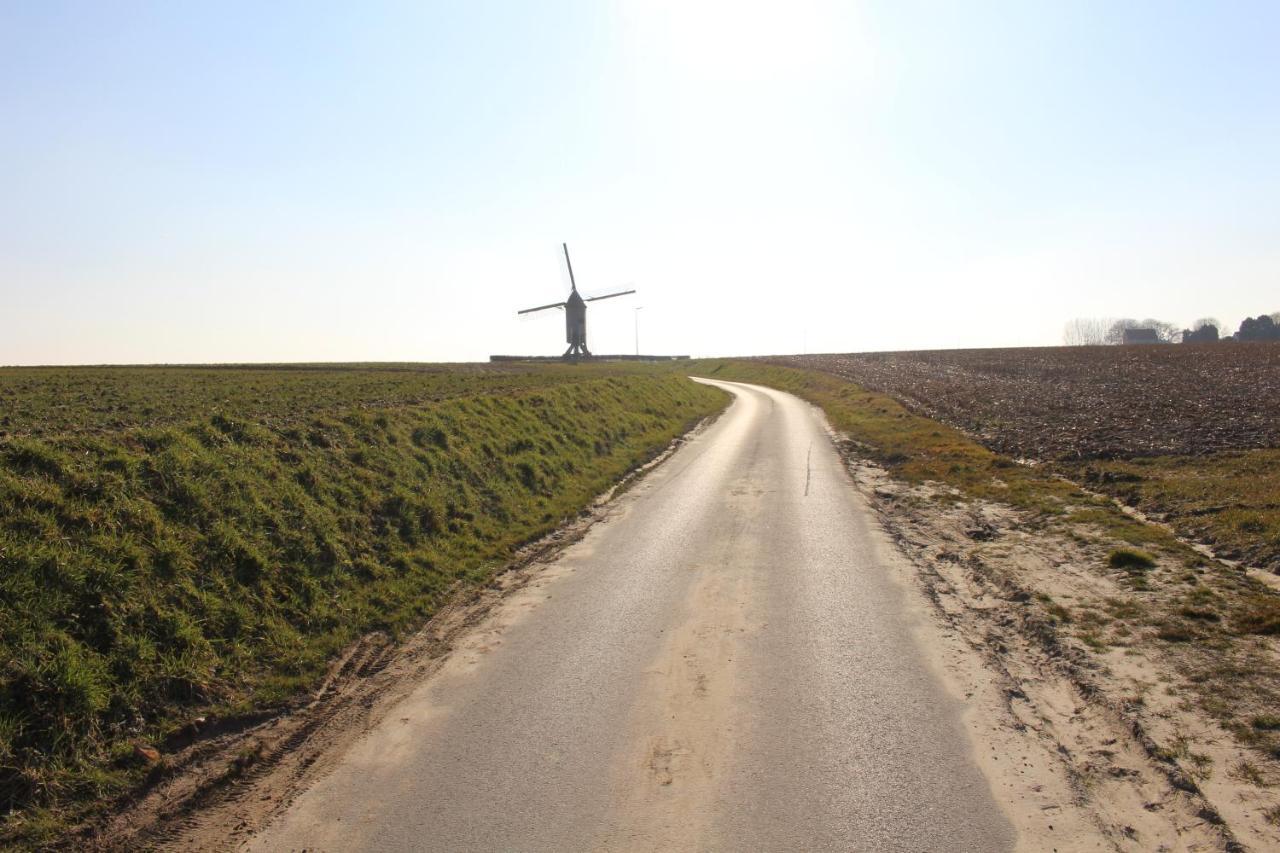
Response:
column 58, row 400
column 1259, row 615
column 1131, row 560
column 1228, row 500
column 211, row 559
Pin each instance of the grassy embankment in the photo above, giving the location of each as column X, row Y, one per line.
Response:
column 176, row 542
column 1230, row 500
column 1215, row 621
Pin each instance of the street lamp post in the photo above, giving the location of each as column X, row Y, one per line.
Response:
column 637, row 319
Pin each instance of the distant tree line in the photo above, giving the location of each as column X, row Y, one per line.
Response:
column 1094, row 331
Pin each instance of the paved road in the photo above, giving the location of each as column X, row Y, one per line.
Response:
column 724, row 664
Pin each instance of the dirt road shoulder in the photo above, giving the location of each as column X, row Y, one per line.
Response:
column 1122, row 685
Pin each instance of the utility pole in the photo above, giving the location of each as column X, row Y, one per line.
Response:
column 637, row 319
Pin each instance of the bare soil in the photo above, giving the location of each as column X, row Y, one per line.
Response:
column 1067, row 403
column 1084, row 725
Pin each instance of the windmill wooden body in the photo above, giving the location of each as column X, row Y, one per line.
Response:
column 575, row 313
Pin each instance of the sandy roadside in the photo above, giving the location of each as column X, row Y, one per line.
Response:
column 1086, row 748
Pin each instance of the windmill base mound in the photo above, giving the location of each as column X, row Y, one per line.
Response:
column 494, row 358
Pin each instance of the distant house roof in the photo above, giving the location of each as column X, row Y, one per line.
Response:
column 1141, row 336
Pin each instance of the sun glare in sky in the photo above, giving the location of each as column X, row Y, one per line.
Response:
column 392, row 181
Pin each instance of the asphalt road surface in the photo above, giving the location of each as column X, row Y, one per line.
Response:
column 723, row 664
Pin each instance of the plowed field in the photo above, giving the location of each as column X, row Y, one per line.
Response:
column 1069, row 403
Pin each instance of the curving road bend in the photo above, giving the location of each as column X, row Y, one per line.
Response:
column 724, row 664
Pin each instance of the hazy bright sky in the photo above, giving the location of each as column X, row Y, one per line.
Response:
column 273, row 181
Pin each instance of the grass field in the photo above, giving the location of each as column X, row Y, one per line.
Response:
column 1230, row 501
column 187, row 541
column 38, row 401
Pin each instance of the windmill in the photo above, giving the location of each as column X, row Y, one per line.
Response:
column 575, row 313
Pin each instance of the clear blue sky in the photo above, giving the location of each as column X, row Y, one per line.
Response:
column 390, row 181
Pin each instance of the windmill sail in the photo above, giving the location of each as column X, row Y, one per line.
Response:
column 541, row 308
column 572, row 284
column 608, row 295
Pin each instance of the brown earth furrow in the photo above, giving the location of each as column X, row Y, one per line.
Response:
column 1067, row 403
